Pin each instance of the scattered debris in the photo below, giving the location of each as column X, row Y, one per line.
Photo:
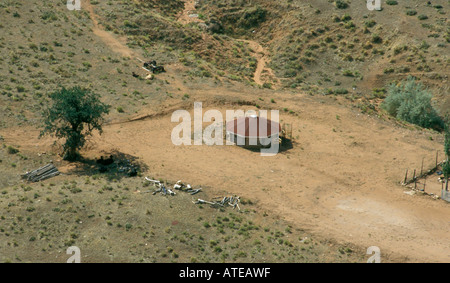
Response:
column 45, row 172
column 186, row 188
column 161, row 188
column 151, row 66
column 127, row 167
column 180, row 186
column 231, row 201
column 200, row 201
column 152, row 181
column 193, row 192
column 418, row 191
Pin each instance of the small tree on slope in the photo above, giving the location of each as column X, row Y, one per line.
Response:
column 74, row 115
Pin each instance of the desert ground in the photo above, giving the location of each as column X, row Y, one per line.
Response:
column 339, row 179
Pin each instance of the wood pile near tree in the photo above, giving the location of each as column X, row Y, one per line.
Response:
column 43, row 173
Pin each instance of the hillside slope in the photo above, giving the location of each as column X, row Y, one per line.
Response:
column 332, row 192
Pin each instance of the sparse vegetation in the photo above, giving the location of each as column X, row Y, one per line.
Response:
column 315, row 59
column 392, row 2
column 341, row 4
column 11, row 150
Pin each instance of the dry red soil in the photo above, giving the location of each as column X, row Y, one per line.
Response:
column 341, row 180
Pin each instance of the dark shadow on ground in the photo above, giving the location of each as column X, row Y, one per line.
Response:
column 114, row 166
column 286, row 145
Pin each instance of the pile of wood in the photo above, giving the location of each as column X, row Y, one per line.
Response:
column 186, row 188
column 162, row 189
column 43, row 173
column 231, row 201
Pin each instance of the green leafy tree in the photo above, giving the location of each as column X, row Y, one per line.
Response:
column 74, row 114
column 411, row 102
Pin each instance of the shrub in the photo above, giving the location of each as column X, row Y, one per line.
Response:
column 267, row 85
column 49, row 15
column 346, row 18
column 252, row 17
column 411, row 102
column 391, row 2
column 370, row 24
column 341, row 4
column 377, row 39
column 341, row 91
column 12, row 150
column 348, row 73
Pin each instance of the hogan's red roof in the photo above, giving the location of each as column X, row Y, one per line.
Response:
column 251, row 127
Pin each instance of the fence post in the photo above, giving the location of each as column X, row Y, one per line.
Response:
column 437, row 156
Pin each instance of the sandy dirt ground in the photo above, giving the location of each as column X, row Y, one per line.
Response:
column 117, row 45
column 340, row 180
column 260, row 55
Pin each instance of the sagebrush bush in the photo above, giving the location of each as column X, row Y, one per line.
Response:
column 341, row 4
column 410, row 101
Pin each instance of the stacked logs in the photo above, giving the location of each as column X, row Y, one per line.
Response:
column 43, row 173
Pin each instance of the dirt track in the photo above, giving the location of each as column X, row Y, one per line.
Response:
column 258, row 49
column 115, row 44
column 340, row 180
column 341, row 184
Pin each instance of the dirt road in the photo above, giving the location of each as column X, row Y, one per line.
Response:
column 187, row 17
column 339, row 181
column 341, row 184
column 116, row 45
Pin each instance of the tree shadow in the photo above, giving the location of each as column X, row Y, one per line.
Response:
column 114, row 166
